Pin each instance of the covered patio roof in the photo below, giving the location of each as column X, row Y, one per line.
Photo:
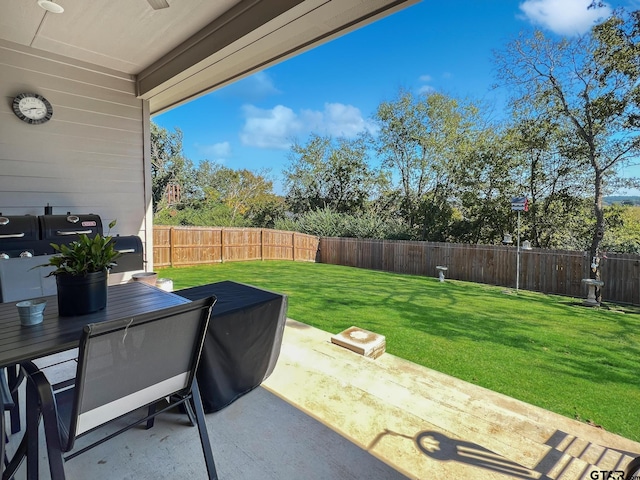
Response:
column 191, row 47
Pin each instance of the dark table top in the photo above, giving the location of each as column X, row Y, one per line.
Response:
column 56, row 334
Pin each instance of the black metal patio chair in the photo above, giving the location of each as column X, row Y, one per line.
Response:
column 123, row 365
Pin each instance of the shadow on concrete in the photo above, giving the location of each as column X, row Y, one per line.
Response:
column 440, row 447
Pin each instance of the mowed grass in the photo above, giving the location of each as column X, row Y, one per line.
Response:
column 543, row 349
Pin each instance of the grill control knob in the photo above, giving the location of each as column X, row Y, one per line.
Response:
column 4, row 220
column 3, row 256
column 26, row 254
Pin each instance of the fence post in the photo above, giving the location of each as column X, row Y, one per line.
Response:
column 293, row 249
column 261, row 244
column 222, row 245
column 171, row 249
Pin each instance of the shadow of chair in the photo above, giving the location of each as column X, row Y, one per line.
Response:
column 124, row 365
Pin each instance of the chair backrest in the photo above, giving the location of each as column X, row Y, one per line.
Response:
column 132, row 362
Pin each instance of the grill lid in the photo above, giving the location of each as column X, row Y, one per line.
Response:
column 67, row 228
column 18, row 228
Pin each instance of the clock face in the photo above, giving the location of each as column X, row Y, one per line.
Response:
column 32, row 108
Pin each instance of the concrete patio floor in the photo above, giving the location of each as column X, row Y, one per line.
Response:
column 328, row 413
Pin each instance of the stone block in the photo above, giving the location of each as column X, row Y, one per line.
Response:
column 360, row 341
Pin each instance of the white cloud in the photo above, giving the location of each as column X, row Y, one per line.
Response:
column 269, row 128
column 276, row 127
column 564, row 17
column 341, row 120
column 254, row 87
column 426, row 89
column 218, row 150
column 262, row 84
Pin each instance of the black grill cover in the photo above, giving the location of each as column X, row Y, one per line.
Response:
column 67, row 228
column 242, row 343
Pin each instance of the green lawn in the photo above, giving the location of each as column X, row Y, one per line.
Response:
column 546, row 350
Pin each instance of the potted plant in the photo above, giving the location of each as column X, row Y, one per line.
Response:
column 81, row 271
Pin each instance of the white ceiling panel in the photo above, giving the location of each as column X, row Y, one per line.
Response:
column 193, row 46
column 125, row 35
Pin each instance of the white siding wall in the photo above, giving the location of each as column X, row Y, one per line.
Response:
column 89, row 158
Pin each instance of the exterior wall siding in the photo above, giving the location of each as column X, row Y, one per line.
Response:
column 89, row 158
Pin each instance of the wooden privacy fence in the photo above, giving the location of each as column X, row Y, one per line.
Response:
column 550, row 271
column 182, row 246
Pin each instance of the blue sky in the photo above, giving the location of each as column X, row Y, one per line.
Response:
column 334, row 89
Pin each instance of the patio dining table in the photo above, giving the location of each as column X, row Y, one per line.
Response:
column 57, row 334
column 240, row 351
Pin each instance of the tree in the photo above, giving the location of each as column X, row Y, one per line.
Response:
column 486, row 178
column 421, row 141
column 329, row 173
column 169, row 166
column 623, row 234
column 557, row 184
column 402, row 143
column 591, row 82
column 247, row 195
column 203, row 212
column 210, row 194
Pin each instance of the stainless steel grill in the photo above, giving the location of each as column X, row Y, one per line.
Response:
column 66, row 228
column 25, row 245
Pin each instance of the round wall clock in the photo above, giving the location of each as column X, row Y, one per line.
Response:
column 32, row 108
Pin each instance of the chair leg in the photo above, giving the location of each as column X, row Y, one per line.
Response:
column 4, row 449
column 202, row 429
column 151, row 411
column 16, row 461
column 154, row 407
column 32, row 418
column 14, row 377
column 190, row 413
column 3, row 434
column 40, row 389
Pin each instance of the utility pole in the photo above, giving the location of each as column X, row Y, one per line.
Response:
column 518, row 256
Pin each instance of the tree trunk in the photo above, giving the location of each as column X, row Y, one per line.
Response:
column 598, row 233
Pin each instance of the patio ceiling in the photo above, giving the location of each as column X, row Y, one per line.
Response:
column 194, row 46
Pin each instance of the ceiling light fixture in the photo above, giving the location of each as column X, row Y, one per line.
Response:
column 50, row 6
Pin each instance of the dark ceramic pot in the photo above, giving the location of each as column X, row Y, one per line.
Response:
column 78, row 295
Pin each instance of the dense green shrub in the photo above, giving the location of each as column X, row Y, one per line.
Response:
column 328, row 223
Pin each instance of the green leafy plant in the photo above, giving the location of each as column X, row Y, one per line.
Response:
column 85, row 255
